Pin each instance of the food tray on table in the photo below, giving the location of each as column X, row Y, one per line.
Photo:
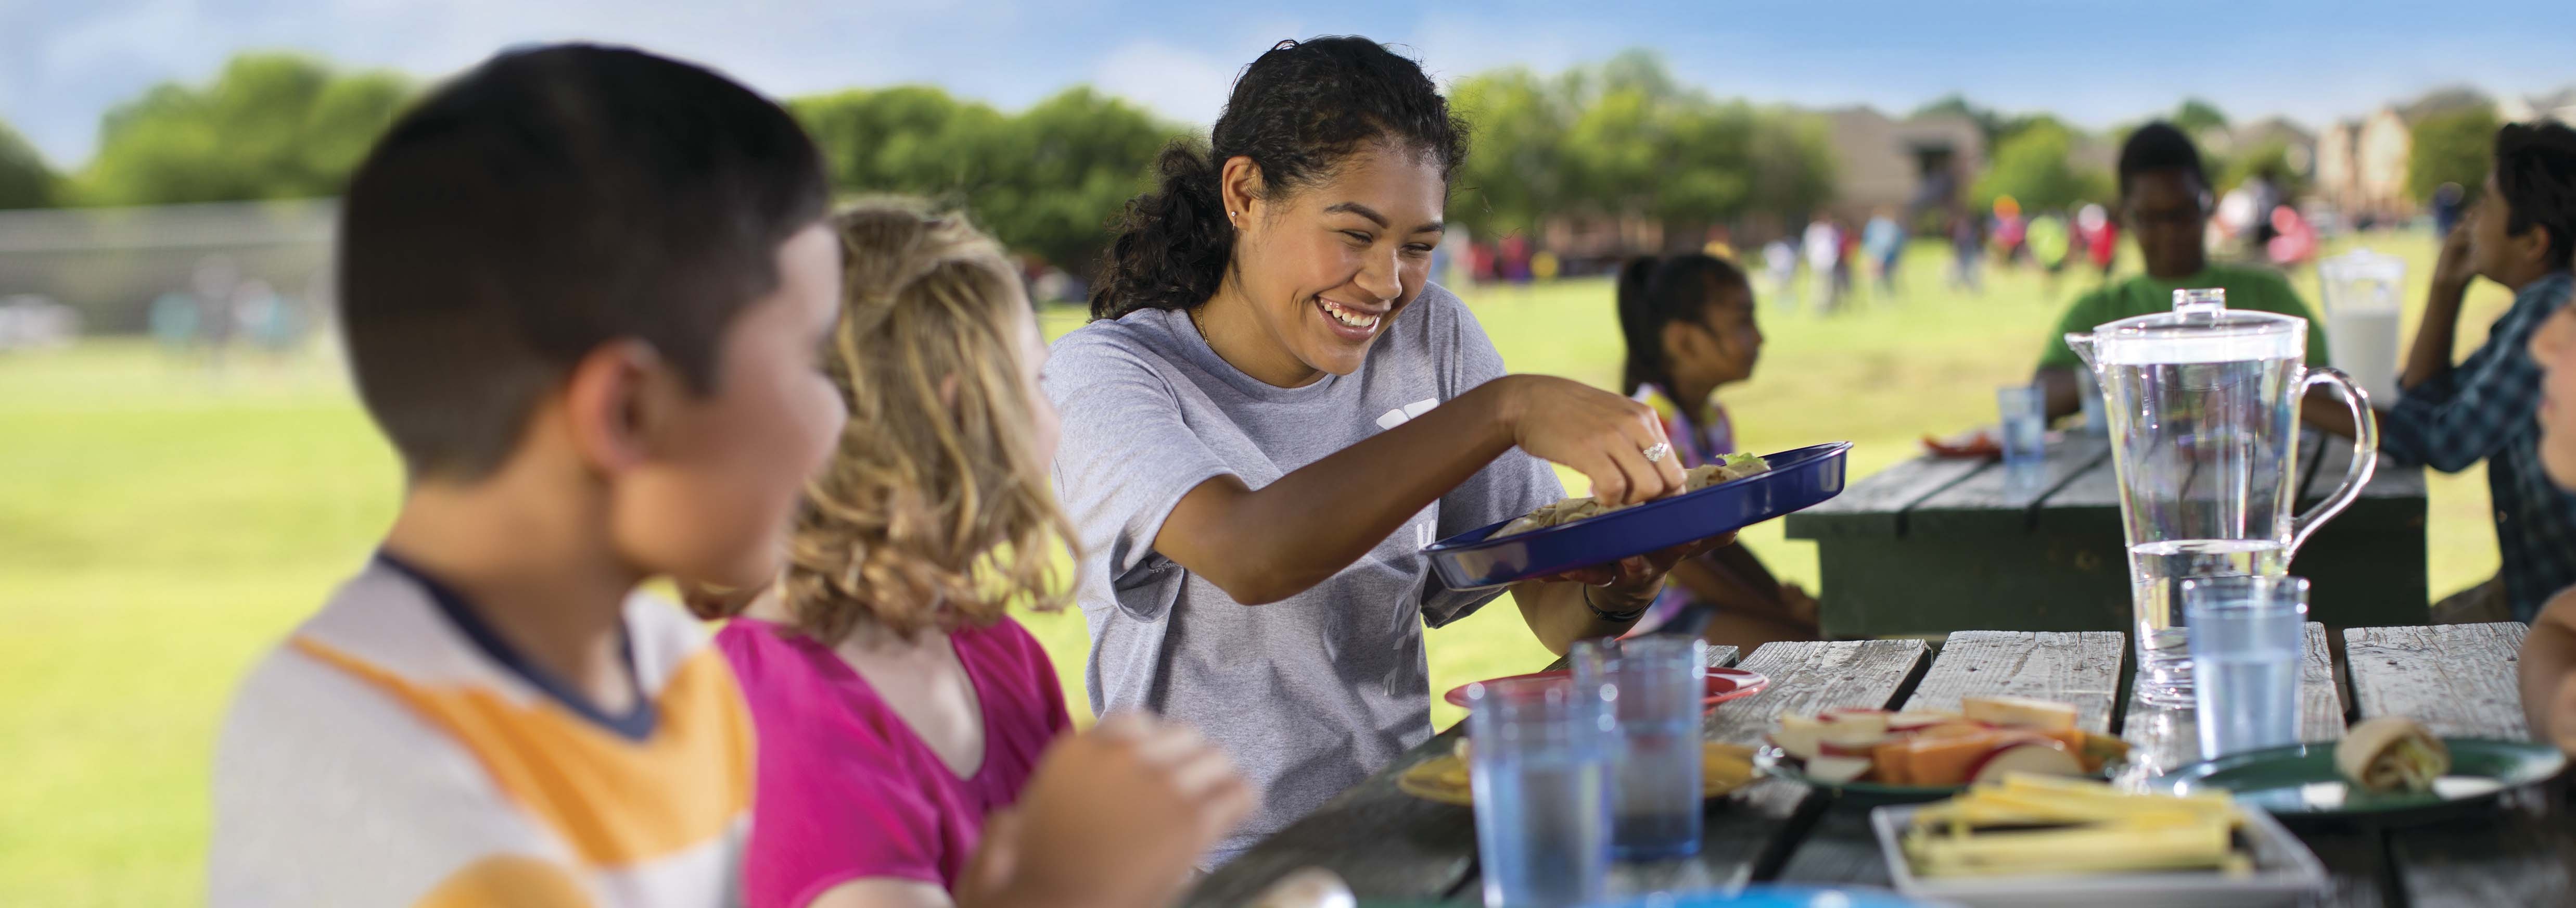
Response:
column 1796, row 480
column 2283, row 871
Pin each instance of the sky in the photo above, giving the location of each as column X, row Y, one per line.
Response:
column 65, row 62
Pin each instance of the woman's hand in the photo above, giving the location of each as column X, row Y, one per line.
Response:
column 1637, row 578
column 1602, row 435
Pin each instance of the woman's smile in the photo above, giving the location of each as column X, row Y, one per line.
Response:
column 1352, row 323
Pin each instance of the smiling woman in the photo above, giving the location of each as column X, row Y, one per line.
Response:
column 1275, row 410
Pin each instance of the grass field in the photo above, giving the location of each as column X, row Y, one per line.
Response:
column 160, row 525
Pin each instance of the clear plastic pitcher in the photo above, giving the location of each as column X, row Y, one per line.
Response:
column 2204, row 411
column 2364, row 293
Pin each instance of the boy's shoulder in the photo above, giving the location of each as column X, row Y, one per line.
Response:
column 327, row 790
column 341, row 774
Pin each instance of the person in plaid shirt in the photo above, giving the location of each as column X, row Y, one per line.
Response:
column 2522, row 235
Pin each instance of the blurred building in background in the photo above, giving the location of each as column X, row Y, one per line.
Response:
column 1919, row 163
column 257, row 272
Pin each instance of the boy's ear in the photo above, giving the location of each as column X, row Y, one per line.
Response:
column 615, row 398
column 2533, row 244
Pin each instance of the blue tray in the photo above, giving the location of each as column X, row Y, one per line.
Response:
column 1797, row 480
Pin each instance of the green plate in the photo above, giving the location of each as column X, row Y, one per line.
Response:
column 2300, row 781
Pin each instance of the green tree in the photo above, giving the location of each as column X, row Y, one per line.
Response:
column 2453, row 147
column 1062, row 169
column 269, row 126
column 25, row 181
column 1516, row 171
column 1790, row 164
column 2195, row 116
column 1045, row 181
column 2033, row 168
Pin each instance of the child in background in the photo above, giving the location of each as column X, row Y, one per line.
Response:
column 581, row 288
column 898, row 706
column 1689, row 325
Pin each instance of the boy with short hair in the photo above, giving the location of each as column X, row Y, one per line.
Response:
column 2165, row 198
column 581, row 289
column 2521, row 234
column 584, row 291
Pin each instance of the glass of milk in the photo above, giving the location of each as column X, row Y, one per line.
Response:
column 2362, row 302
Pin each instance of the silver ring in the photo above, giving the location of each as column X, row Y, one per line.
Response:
column 1656, row 452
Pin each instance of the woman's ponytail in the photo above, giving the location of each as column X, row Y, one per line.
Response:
column 1172, row 242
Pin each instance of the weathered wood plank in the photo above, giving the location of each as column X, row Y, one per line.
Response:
column 1415, row 849
column 2459, row 679
column 1749, row 833
column 1930, row 584
column 1876, row 506
column 2359, row 873
column 1807, row 677
column 2320, row 704
column 2094, row 488
column 2078, row 668
column 2520, row 854
column 2000, row 501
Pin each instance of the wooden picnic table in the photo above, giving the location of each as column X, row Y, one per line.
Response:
column 2459, row 679
column 1933, row 545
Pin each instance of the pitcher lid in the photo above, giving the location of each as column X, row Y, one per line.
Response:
column 2201, row 329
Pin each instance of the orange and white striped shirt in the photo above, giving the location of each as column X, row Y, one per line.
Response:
column 393, row 751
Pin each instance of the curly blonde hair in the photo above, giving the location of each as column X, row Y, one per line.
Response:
column 935, row 511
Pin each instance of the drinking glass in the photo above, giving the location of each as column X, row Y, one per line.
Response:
column 1655, row 742
column 2246, row 635
column 2088, row 395
column 1540, row 767
column 2025, row 425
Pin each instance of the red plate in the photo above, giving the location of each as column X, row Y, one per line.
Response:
column 1723, row 684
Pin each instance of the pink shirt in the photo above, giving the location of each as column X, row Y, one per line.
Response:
column 844, row 790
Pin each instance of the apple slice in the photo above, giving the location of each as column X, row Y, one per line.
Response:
column 2040, row 758
column 1837, row 770
column 1798, row 735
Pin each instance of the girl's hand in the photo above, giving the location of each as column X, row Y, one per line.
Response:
column 1639, row 577
column 1115, row 816
column 1602, row 435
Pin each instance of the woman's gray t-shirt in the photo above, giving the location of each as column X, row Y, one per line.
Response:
column 1312, row 693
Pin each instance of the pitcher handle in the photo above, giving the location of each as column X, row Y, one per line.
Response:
column 2365, row 453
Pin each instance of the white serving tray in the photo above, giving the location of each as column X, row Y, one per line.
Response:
column 2284, row 871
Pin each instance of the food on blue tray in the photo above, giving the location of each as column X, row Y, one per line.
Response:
column 1728, row 469
column 2392, row 753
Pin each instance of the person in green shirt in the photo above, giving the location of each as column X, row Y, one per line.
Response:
column 2166, row 199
